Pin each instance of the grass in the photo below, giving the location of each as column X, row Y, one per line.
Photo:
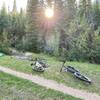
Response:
column 53, row 72
column 13, row 88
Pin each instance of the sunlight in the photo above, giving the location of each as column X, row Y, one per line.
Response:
column 49, row 13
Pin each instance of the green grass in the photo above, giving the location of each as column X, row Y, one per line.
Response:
column 53, row 72
column 13, row 88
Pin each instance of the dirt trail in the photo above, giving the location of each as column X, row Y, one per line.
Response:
column 52, row 85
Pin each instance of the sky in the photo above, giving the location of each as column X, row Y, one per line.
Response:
column 20, row 3
column 9, row 3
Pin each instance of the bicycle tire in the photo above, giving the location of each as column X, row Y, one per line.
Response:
column 82, row 77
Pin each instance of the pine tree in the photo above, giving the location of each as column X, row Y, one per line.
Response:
column 85, row 7
column 14, row 7
column 22, row 22
column 4, row 44
column 32, row 26
column 96, row 7
column 3, row 19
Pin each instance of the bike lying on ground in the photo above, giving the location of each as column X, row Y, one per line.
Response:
column 39, row 65
column 82, row 77
column 75, row 72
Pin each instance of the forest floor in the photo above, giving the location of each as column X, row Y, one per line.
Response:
column 53, row 72
column 52, row 85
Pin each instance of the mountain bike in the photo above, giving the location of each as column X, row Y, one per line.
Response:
column 75, row 72
column 39, row 65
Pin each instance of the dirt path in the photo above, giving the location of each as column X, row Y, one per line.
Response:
column 52, row 85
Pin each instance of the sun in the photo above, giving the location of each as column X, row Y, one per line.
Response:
column 49, row 13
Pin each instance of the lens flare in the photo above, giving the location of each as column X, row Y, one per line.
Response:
column 49, row 13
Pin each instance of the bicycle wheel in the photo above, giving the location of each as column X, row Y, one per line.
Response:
column 82, row 77
column 71, row 69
